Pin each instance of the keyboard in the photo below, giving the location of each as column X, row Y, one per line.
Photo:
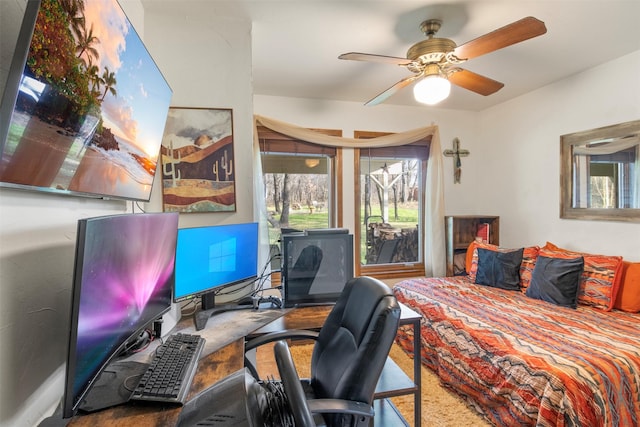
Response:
column 171, row 371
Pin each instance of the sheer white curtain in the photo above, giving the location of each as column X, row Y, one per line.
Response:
column 433, row 209
column 260, row 216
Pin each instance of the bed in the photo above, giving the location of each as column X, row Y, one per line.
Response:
column 525, row 361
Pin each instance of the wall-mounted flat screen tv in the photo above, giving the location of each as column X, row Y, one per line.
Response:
column 84, row 107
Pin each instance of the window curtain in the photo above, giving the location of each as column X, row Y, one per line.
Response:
column 260, row 216
column 433, row 209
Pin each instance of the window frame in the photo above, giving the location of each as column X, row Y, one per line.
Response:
column 274, row 142
column 393, row 270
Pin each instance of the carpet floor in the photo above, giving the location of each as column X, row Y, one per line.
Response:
column 440, row 406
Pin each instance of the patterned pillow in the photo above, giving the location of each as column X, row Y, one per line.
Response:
column 600, row 278
column 529, row 256
column 468, row 262
column 473, row 271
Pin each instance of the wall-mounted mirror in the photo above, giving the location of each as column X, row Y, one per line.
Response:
column 600, row 173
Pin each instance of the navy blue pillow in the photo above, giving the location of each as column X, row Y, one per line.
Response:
column 499, row 269
column 556, row 280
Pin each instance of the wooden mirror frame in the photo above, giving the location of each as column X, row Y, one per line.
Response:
column 567, row 142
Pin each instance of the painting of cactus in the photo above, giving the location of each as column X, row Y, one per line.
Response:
column 198, row 170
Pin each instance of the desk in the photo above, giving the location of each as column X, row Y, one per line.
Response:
column 212, row 367
column 224, row 354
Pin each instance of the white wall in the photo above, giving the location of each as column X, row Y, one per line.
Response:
column 207, row 62
column 521, row 167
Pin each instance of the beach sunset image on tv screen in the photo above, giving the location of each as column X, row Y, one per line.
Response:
column 90, row 108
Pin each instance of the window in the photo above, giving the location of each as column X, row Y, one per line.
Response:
column 389, row 191
column 612, row 179
column 299, row 183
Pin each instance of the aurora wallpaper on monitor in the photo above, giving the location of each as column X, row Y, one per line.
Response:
column 123, row 281
column 84, row 106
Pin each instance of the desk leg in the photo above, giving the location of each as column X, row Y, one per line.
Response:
column 417, row 374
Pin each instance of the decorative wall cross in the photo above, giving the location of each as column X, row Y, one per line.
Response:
column 456, row 153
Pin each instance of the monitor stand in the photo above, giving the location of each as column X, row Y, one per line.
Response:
column 114, row 386
column 209, row 308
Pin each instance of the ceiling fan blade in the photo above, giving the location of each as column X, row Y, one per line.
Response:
column 392, row 90
column 357, row 56
column 513, row 33
column 475, row 82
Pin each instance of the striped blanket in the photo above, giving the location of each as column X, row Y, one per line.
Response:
column 525, row 362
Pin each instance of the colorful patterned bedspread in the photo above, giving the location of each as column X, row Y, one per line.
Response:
column 524, row 362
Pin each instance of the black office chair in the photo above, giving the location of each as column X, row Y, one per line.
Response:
column 348, row 356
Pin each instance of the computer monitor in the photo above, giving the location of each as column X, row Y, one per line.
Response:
column 214, row 257
column 122, row 282
column 316, row 266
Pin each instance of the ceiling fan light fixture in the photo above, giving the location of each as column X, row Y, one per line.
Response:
column 432, row 89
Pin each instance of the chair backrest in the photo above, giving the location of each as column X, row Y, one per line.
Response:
column 354, row 341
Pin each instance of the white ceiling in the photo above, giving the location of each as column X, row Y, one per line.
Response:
column 296, row 43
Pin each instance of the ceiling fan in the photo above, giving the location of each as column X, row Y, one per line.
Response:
column 435, row 61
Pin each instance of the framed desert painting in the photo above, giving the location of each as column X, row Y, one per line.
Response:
column 197, row 161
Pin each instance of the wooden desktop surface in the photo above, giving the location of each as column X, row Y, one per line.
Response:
column 223, row 354
column 312, row 317
column 211, row 369
column 216, row 362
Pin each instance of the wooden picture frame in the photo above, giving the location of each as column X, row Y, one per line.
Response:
column 198, row 167
column 575, row 183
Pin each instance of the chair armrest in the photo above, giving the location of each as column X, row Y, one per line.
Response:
column 292, row 387
column 340, row 406
column 280, row 335
column 272, row 337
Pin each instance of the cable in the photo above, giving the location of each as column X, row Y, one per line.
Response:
column 139, row 207
column 260, row 279
column 126, row 380
column 277, row 412
column 140, row 343
column 192, row 301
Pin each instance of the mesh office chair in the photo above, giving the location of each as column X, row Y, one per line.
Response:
column 348, row 356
